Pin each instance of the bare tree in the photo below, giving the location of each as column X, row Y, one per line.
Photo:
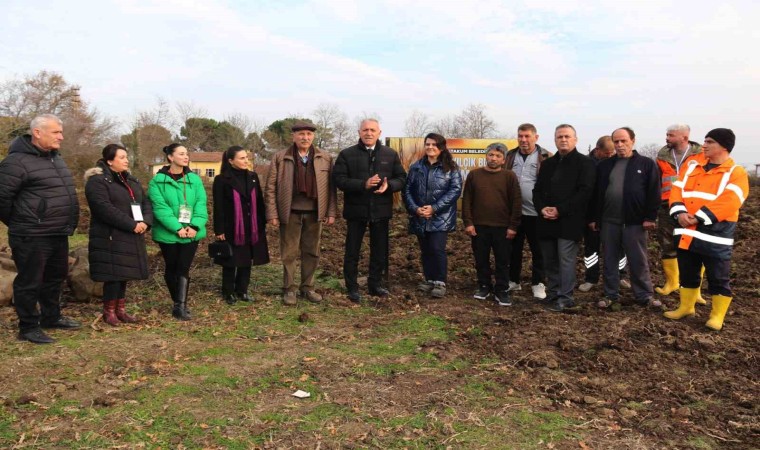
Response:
column 417, row 124
column 158, row 115
column 193, row 133
column 332, row 127
column 649, row 150
column 241, row 121
column 364, row 115
column 474, row 122
column 43, row 93
column 85, row 128
column 448, row 126
column 344, row 135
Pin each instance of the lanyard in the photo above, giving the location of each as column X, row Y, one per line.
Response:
column 124, row 180
column 678, row 163
column 184, row 189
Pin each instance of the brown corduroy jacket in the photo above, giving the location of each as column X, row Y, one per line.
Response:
column 278, row 192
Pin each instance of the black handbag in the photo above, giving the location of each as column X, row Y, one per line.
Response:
column 220, row 249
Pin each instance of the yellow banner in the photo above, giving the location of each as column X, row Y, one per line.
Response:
column 468, row 153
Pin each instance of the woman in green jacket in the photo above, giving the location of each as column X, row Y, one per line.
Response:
column 179, row 208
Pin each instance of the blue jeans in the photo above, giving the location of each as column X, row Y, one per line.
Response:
column 434, row 260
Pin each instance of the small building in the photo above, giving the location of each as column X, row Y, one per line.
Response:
column 757, row 170
column 205, row 164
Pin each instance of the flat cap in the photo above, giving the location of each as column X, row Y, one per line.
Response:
column 303, row 125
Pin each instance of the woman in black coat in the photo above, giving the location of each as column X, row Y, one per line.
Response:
column 239, row 219
column 120, row 213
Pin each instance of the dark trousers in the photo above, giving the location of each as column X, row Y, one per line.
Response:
column 630, row 240
column 41, row 265
column 235, row 280
column 434, row 260
column 560, row 257
column 665, row 227
column 592, row 257
column 177, row 261
column 717, row 272
column 378, row 252
column 487, row 239
column 527, row 229
column 114, row 290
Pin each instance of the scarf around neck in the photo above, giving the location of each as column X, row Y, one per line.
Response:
column 239, row 221
column 305, row 176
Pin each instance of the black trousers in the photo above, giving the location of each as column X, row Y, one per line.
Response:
column 177, row 260
column 487, row 239
column 526, row 230
column 235, row 280
column 42, row 265
column 114, row 290
column 717, row 272
column 378, row 252
column 434, row 259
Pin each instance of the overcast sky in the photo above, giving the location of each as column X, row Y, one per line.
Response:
column 595, row 64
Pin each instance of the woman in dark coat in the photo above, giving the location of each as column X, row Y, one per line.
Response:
column 239, row 219
column 433, row 186
column 120, row 214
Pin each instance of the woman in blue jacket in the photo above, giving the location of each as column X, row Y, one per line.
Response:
column 433, row 186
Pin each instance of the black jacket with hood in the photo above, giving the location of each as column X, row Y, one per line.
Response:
column 37, row 194
column 117, row 253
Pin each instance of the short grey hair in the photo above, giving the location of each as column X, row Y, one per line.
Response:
column 368, row 119
column 497, row 146
column 42, row 119
column 566, row 125
column 682, row 127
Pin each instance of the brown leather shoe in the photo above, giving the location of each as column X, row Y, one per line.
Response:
column 289, row 299
column 312, row 296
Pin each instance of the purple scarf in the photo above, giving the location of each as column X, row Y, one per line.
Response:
column 239, row 225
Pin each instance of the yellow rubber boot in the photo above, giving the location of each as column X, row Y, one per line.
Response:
column 670, row 269
column 719, row 309
column 700, row 300
column 686, row 308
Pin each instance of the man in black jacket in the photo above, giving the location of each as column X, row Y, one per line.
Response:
column 368, row 173
column 627, row 199
column 39, row 205
column 560, row 196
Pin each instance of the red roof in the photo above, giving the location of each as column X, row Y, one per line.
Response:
column 205, row 156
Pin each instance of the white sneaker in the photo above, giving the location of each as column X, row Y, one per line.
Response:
column 585, row 287
column 539, row 291
column 513, row 286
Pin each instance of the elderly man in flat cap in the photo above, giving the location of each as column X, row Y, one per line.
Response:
column 300, row 197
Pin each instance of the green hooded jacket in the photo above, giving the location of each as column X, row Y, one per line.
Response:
column 167, row 195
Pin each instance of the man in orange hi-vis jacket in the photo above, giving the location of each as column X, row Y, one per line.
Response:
column 705, row 201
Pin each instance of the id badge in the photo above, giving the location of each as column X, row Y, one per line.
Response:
column 185, row 214
column 137, row 212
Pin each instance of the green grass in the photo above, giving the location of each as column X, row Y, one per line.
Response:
column 537, row 428
column 7, row 420
column 321, row 414
column 700, row 442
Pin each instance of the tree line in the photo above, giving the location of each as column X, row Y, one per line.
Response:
column 87, row 130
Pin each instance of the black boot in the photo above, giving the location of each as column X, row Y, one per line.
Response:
column 180, row 310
